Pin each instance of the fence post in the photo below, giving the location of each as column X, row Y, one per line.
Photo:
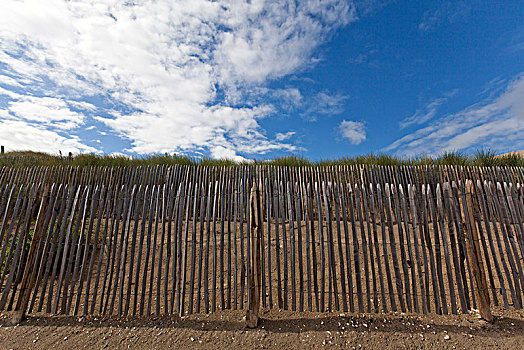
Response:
column 2, row 150
column 475, row 257
column 28, row 277
column 255, row 272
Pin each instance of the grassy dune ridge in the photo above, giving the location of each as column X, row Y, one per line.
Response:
column 480, row 158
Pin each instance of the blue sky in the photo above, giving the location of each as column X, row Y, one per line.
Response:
column 259, row 79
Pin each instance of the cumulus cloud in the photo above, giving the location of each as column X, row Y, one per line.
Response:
column 496, row 123
column 28, row 136
column 353, row 131
column 167, row 75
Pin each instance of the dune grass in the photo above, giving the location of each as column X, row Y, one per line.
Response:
column 480, row 158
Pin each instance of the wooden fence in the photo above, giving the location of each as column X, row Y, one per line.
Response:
column 178, row 240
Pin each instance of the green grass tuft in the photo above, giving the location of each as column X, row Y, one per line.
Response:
column 480, row 158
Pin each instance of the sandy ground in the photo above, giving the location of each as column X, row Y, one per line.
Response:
column 519, row 153
column 277, row 330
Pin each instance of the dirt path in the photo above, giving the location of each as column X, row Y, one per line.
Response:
column 277, row 330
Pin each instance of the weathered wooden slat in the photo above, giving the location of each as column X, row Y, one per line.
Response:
column 69, row 245
column 452, row 237
column 365, row 207
column 479, row 276
column 111, row 251
column 222, row 210
column 299, row 248
column 214, row 241
column 411, row 260
column 284, row 244
column 434, row 218
column 5, row 209
column 15, row 220
column 445, row 244
column 94, row 203
column 249, row 272
column 277, row 243
column 242, row 256
column 291, row 219
column 208, row 243
column 40, row 262
column 162, row 212
column 269, row 201
column 102, row 204
column 185, row 238
column 507, row 233
column 193, row 247
column 364, row 247
column 514, row 214
column 15, row 241
column 29, row 272
column 415, row 227
column 122, row 200
column 175, row 218
column 339, row 245
column 229, row 202
column 151, row 249
column 150, row 219
column 203, row 199
column 321, row 241
column 73, row 194
column 122, row 255
column 402, row 247
column 356, row 250
column 463, row 257
column 342, row 199
column 141, row 199
column 304, row 198
column 396, row 268
column 430, row 249
column 373, row 218
column 168, row 219
column 480, row 198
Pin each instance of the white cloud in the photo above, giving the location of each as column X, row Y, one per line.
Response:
column 7, row 80
column 426, row 113
column 225, row 153
column 447, row 12
column 159, row 67
column 290, row 96
column 19, row 135
column 497, row 123
column 45, row 110
column 277, row 39
column 284, row 136
column 354, row 131
column 82, row 105
column 325, row 104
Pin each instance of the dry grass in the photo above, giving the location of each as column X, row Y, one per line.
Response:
column 480, row 158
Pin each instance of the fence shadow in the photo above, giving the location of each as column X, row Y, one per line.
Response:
column 372, row 324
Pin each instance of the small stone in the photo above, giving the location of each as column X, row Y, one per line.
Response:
column 65, row 338
column 447, row 337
